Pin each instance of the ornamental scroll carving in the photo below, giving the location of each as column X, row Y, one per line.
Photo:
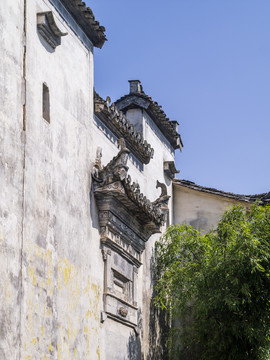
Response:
column 127, row 219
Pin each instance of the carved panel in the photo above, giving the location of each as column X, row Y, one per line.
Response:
column 120, row 293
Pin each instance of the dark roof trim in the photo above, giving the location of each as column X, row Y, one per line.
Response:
column 264, row 197
column 85, row 18
column 137, row 98
column 112, row 180
column 121, row 127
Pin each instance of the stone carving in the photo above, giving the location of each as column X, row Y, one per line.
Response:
column 48, row 29
column 123, row 311
column 162, row 201
column 163, row 188
column 127, row 219
column 97, row 166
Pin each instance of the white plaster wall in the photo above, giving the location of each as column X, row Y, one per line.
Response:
column 62, row 267
column 48, row 212
column 199, row 209
column 11, row 174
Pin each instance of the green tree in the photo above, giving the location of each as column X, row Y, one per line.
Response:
column 217, row 285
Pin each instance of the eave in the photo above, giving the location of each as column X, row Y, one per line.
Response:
column 154, row 110
column 264, row 198
column 85, row 18
column 121, row 127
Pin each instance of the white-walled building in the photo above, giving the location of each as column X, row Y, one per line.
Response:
column 84, row 194
column 86, row 189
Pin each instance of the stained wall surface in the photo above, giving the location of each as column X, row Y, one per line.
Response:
column 11, row 174
column 200, row 209
column 52, row 268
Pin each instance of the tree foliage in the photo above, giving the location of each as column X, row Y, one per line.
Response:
column 218, row 285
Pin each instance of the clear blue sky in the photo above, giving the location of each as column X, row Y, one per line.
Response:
column 207, row 62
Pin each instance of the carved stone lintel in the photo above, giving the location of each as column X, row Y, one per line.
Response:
column 48, row 29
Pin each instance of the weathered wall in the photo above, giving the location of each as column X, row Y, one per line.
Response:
column 200, row 209
column 62, row 291
column 52, row 270
column 11, row 174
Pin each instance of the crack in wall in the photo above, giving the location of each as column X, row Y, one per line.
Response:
column 23, row 175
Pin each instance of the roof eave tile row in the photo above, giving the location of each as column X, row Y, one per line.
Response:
column 155, row 111
column 121, row 127
column 264, row 197
column 86, row 20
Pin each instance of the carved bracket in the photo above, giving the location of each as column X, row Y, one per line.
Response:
column 162, row 201
column 170, row 169
column 48, row 29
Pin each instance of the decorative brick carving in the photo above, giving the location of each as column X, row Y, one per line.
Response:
column 170, row 169
column 127, row 219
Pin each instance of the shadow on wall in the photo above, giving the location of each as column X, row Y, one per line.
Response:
column 134, row 347
column 158, row 324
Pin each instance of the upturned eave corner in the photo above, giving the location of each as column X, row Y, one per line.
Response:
column 114, row 181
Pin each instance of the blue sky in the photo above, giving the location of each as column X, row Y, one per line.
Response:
column 207, row 62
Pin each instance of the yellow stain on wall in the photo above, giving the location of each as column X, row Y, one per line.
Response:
column 7, row 291
column 32, row 275
column 34, row 341
column 73, row 291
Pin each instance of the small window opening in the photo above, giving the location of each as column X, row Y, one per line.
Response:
column 46, row 103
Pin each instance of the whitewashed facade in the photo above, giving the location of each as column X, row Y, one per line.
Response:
column 54, row 301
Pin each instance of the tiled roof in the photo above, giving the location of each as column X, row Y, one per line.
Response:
column 86, row 20
column 264, row 197
column 137, row 98
column 121, row 127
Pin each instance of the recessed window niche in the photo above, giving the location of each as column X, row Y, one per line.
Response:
column 46, row 102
